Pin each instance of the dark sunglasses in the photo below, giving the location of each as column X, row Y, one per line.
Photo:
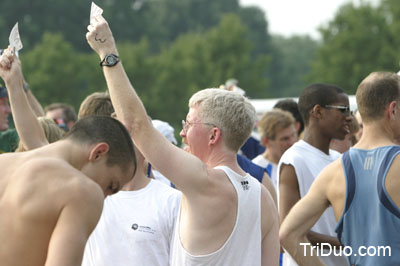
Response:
column 345, row 110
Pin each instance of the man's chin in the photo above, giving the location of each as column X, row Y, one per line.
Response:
column 341, row 135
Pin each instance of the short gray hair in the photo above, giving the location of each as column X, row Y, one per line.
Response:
column 229, row 111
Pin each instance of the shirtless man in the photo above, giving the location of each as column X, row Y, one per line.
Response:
column 51, row 197
column 226, row 216
column 362, row 187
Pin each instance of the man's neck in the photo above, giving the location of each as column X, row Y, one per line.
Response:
column 66, row 150
column 317, row 140
column 270, row 156
column 139, row 181
column 224, row 158
column 376, row 135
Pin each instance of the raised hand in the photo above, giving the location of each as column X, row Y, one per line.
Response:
column 100, row 37
column 10, row 68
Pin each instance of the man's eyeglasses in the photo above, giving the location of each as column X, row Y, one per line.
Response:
column 186, row 125
column 345, row 110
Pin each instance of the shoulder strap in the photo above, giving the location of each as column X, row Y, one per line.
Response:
column 383, row 169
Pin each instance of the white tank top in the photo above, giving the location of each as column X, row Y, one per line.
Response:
column 243, row 247
column 308, row 162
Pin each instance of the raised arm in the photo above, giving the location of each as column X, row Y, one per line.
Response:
column 301, row 218
column 29, row 130
column 183, row 169
column 33, row 102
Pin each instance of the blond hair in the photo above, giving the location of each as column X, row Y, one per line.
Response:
column 97, row 103
column 232, row 113
column 274, row 120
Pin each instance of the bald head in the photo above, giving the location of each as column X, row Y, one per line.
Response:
column 374, row 94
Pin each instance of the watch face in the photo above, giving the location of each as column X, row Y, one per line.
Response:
column 111, row 60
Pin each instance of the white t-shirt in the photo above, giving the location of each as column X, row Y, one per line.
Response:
column 243, row 247
column 308, row 162
column 263, row 162
column 135, row 228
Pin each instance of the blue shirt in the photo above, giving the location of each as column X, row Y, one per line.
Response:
column 251, row 148
column 250, row 167
column 370, row 220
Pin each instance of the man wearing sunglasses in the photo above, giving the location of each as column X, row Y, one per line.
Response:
column 326, row 114
column 226, row 216
column 362, row 187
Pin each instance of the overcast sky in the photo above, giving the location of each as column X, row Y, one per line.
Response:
column 288, row 17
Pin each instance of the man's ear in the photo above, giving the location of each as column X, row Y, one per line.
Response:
column 316, row 111
column 392, row 109
column 298, row 125
column 98, row 151
column 215, row 135
column 264, row 141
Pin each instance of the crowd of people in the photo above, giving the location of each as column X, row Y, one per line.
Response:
column 110, row 186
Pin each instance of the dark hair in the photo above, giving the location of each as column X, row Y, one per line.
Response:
column 97, row 103
column 291, row 106
column 317, row 93
column 96, row 129
column 69, row 113
column 375, row 92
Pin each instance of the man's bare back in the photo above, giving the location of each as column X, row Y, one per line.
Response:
column 40, row 196
column 51, row 197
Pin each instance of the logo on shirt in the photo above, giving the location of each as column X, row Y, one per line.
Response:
column 245, row 185
column 143, row 228
column 368, row 163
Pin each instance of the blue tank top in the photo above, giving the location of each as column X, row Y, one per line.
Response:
column 370, row 223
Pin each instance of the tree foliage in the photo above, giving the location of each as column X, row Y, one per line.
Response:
column 165, row 81
column 293, row 58
column 58, row 73
column 170, row 49
column 359, row 40
column 196, row 61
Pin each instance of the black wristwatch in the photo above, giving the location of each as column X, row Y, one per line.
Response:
column 110, row 60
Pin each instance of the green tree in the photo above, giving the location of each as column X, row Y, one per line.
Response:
column 140, row 67
column 35, row 17
column 160, row 21
column 295, row 56
column 197, row 61
column 357, row 41
column 230, row 56
column 254, row 19
column 57, row 73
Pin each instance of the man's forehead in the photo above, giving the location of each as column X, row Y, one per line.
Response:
column 342, row 98
column 283, row 132
column 55, row 113
column 192, row 114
